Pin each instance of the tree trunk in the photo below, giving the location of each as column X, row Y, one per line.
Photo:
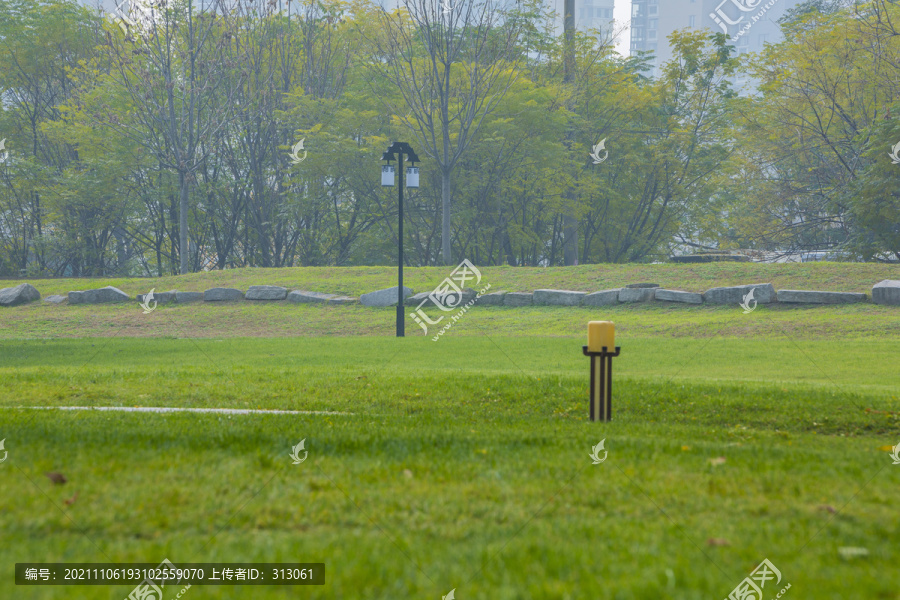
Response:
column 182, row 223
column 445, row 216
column 570, row 223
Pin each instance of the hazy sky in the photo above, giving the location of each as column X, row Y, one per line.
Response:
column 622, row 15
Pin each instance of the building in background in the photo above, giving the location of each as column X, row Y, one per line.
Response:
column 750, row 23
column 589, row 15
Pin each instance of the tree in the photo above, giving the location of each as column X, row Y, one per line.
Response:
column 451, row 69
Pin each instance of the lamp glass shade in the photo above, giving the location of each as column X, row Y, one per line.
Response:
column 412, row 177
column 387, row 175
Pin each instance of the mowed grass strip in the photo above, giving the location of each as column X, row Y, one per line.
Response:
column 465, row 464
column 366, row 372
column 353, row 281
column 468, row 493
column 284, row 319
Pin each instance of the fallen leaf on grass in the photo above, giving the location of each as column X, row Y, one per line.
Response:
column 407, row 473
column 717, row 542
column 57, row 478
column 71, row 501
column 886, row 448
column 827, row 507
column 719, row 460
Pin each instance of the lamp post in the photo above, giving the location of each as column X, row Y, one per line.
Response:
column 387, row 180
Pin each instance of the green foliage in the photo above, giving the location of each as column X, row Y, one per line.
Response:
column 115, row 137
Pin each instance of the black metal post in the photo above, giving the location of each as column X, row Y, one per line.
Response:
column 600, row 408
column 401, row 323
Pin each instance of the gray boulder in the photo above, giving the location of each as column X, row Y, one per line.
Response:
column 678, row 296
column 266, row 292
column 601, row 298
column 55, row 299
column 99, row 296
column 811, row 297
column 343, row 300
column 886, row 292
column 385, row 297
column 636, row 294
column 764, row 294
column 558, row 297
column 642, row 285
column 304, row 297
column 492, row 299
column 181, row 297
column 416, row 299
column 222, row 295
column 518, row 299
column 160, row 297
column 22, row 293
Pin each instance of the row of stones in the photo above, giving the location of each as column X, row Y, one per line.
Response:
column 884, row 292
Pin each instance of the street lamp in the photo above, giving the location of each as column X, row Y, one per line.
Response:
column 412, row 181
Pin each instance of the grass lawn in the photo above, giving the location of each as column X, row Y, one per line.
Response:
column 462, row 463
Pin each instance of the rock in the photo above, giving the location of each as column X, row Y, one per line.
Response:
column 764, row 294
column 886, row 292
column 518, row 299
column 222, row 295
column 642, row 285
column 385, row 297
column 677, row 296
column 344, row 300
column 55, row 299
column 558, row 297
column 188, row 297
column 305, row 297
column 416, row 299
column 160, row 297
column 266, row 292
column 601, row 298
column 102, row 295
column 636, row 294
column 22, row 293
column 810, row 297
column 492, row 299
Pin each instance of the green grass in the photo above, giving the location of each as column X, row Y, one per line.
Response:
column 284, row 319
column 841, row 277
column 464, row 464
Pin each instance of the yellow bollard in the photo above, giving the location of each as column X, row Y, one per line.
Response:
column 601, row 348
